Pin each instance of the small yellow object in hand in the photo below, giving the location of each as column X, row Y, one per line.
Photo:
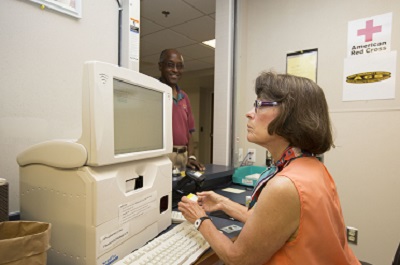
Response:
column 192, row 197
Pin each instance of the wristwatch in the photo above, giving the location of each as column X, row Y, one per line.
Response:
column 198, row 222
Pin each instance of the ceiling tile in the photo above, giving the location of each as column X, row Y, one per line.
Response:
column 147, row 27
column 197, row 51
column 205, row 6
column 199, row 29
column 179, row 12
column 156, row 42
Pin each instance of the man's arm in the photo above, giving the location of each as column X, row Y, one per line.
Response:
column 193, row 163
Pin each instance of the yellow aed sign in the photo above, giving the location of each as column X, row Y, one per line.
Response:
column 367, row 77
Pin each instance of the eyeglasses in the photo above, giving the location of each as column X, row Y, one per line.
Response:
column 171, row 65
column 259, row 103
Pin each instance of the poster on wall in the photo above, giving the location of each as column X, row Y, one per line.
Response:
column 69, row 7
column 303, row 63
column 369, row 35
column 370, row 66
column 370, row 77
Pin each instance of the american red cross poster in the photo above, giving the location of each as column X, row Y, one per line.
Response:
column 370, row 66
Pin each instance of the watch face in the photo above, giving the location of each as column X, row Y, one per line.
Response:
column 197, row 223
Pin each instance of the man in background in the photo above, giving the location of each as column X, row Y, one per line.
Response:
column 171, row 66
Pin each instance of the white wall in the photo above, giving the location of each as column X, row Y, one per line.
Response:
column 42, row 54
column 364, row 163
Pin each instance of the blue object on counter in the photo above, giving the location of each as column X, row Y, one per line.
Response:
column 239, row 177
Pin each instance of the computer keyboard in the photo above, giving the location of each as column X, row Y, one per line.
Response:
column 177, row 217
column 182, row 245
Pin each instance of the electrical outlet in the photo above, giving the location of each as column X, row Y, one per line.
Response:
column 352, row 235
column 251, row 157
column 240, row 157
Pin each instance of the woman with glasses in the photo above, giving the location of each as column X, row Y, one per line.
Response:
column 294, row 216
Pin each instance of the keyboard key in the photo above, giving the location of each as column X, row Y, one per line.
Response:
column 177, row 217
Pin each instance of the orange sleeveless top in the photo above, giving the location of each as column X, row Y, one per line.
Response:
column 321, row 237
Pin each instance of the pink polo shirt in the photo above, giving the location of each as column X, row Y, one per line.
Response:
column 182, row 119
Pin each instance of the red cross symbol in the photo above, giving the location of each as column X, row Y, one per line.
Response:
column 369, row 30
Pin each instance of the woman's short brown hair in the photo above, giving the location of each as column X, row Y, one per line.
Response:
column 303, row 119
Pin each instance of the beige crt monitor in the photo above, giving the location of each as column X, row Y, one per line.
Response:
column 109, row 192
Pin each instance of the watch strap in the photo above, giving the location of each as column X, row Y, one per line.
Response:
column 199, row 221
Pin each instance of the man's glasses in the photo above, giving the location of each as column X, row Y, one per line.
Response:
column 259, row 104
column 171, row 65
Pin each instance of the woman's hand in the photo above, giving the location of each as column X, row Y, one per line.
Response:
column 190, row 209
column 210, row 201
